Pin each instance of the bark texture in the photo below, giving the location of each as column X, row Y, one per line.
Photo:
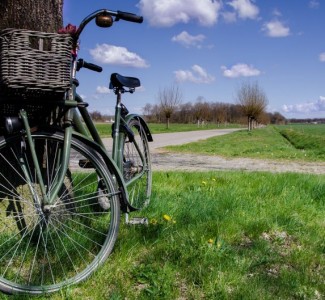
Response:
column 39, row 15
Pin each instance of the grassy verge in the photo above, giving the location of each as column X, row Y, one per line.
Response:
column 161, row 128
column 307, row 138
column 105, row 129
column 220, row 235
column 266, row 143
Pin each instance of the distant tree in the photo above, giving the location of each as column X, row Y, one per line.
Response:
column 277, row 118
column 147, row 110
column 97, row 116
column 40, row 15
column 252, row 101
column 169, row 99
column 220, row 112
column 185, row 113
column 201, row 110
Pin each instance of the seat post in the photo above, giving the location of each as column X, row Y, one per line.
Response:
column 117, row 122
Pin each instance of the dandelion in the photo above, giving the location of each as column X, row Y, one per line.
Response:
column 210, row 241
column 167, row 218
column 153, row 221
column 219, row 244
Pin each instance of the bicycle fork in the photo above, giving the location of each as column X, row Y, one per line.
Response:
column 61, row 165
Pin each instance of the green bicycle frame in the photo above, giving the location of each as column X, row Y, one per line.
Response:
column 63, row 157
column 118, row 135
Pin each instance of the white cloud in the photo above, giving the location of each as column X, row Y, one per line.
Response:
column 102, row 90
column 240, row 70
column 276, row 13
column 245, row 9
column 196, row 75
column 166, row 13
column 229, row 17
column 322, row 57
column 187, row 40
column 308, row 107
column 109, row 54
column 314, row 4
column 276, row 29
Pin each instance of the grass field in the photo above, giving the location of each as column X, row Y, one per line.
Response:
column 219, row 235
column 223, row 235
column 105, row 129
column 280, row 142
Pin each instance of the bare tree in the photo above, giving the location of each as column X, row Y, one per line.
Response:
column 252, row 100
column 169, row 99
column 40, row 15
column 201, row 111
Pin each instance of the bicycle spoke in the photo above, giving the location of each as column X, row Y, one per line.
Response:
column 46, row 246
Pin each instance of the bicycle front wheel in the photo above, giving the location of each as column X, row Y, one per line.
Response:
column 137, row 171
column 44, row 248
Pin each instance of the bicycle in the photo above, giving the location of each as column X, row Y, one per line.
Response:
column 61, row 193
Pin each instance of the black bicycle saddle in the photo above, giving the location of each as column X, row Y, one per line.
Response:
column 119, row 81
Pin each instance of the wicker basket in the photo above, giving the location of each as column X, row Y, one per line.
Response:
column 34, row 64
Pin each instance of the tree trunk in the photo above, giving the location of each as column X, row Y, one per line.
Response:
column 39, row 15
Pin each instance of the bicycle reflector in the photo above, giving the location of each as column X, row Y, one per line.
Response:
column 104, row 20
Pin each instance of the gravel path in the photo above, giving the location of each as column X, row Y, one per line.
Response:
column 163, row 160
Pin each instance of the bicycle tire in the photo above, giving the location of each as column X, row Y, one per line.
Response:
column 137, row 162
column 44, row 250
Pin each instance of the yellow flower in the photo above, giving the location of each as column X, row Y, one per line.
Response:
column 167, row 218
column 210, row 241
column 153, row 221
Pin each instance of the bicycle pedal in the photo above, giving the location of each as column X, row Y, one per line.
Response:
column 138, row 221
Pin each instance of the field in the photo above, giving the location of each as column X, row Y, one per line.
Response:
column 305, row 143
column 224, row 235
column 105, row 129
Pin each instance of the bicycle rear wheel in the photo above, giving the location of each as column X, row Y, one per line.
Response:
column 137, row 171
column 44, row 248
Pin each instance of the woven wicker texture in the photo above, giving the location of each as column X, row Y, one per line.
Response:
column 34, row 64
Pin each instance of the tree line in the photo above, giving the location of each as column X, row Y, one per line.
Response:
column 250, row 108
column 202, row 112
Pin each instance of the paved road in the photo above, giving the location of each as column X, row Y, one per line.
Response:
column 163, row 160
column 179, row 138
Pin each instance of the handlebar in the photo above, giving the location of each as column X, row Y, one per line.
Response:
column 105, row 19
column 128, row 17
column 119, row 15
column 83, row 64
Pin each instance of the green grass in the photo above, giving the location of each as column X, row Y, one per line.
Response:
column 266, row 143
column 105, row 129
column 230, row 235
column 311, row 137
column 223, row 235
column 161, row 128
column 307, row 129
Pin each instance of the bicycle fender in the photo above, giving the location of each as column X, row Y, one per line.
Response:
column 112, row 167
column 143, row 123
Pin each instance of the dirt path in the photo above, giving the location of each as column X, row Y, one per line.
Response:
column 163, row 160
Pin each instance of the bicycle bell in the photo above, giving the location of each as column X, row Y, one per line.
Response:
column 104, row 20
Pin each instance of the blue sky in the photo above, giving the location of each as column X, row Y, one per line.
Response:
column 209, row 48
